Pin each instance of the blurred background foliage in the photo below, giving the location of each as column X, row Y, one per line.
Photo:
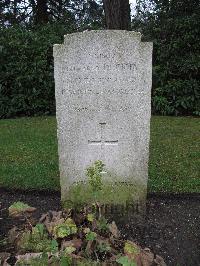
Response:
column 29, row 28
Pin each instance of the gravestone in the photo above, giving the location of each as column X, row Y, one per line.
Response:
column 103, row 108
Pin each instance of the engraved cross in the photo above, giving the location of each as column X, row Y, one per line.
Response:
column 103, row 142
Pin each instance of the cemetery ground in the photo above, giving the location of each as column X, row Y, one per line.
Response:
column 29, row 166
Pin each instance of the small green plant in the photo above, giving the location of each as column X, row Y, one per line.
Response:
column 103, row 247
column 69, row 250
column 41, row 229
column 125, row 261
column 61, row 231
column 65, row 261
column 102, row 224
column 54, row 246
column 90, row 217
column 131, row 248
column 19, row 206
column 65, row 229
column 94, row 174
column 81, row 239
column 35, row 241
column 91, row 236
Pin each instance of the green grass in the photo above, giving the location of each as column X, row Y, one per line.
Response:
column 28, row 153
column 174, row 154
column 29, row 158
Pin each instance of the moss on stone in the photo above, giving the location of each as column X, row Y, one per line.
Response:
column 117, row 193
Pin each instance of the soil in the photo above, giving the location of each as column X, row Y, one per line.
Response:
column 171, row 228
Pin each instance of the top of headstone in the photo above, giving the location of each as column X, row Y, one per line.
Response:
column 111, row 34
column 105, row 32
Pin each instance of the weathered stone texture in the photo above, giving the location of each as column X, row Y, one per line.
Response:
column 103, row 105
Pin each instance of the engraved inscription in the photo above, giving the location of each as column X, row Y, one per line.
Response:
column 103, row 67
column 110, row 75
column 89, row 79
column 120, row 108
column 98, row 91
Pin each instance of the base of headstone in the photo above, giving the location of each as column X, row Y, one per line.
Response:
column 119, row 201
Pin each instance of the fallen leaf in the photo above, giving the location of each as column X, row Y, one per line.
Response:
column 114, row 230
column 13, row 235
column 146, row 258
column 4, row 256
column 26, row 257
column 159, row 261
column 18, row 213
column 76, row 243
column 88, row 248
column 51, row 220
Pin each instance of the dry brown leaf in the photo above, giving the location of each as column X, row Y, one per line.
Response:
column 28, row 256
column 101, row 240
column 79, row 218
column 16, row 213
column 94, row 225
column 51, row 219
column 30, row 209
column 13, row 235
column 88, row 248
column 77, row 257
column 114, row 230
column 4, row 256
column 43, row 217
column 76, row 243
column 159, row 261
column 146, row 258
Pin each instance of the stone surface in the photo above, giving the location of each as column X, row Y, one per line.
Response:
column 103, row 105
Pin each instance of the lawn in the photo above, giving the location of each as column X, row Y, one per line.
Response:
column 29, row 158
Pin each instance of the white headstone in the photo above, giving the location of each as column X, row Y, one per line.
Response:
column 103, row 106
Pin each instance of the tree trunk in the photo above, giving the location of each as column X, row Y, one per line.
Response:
column 117, row 14
column 41, row 12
